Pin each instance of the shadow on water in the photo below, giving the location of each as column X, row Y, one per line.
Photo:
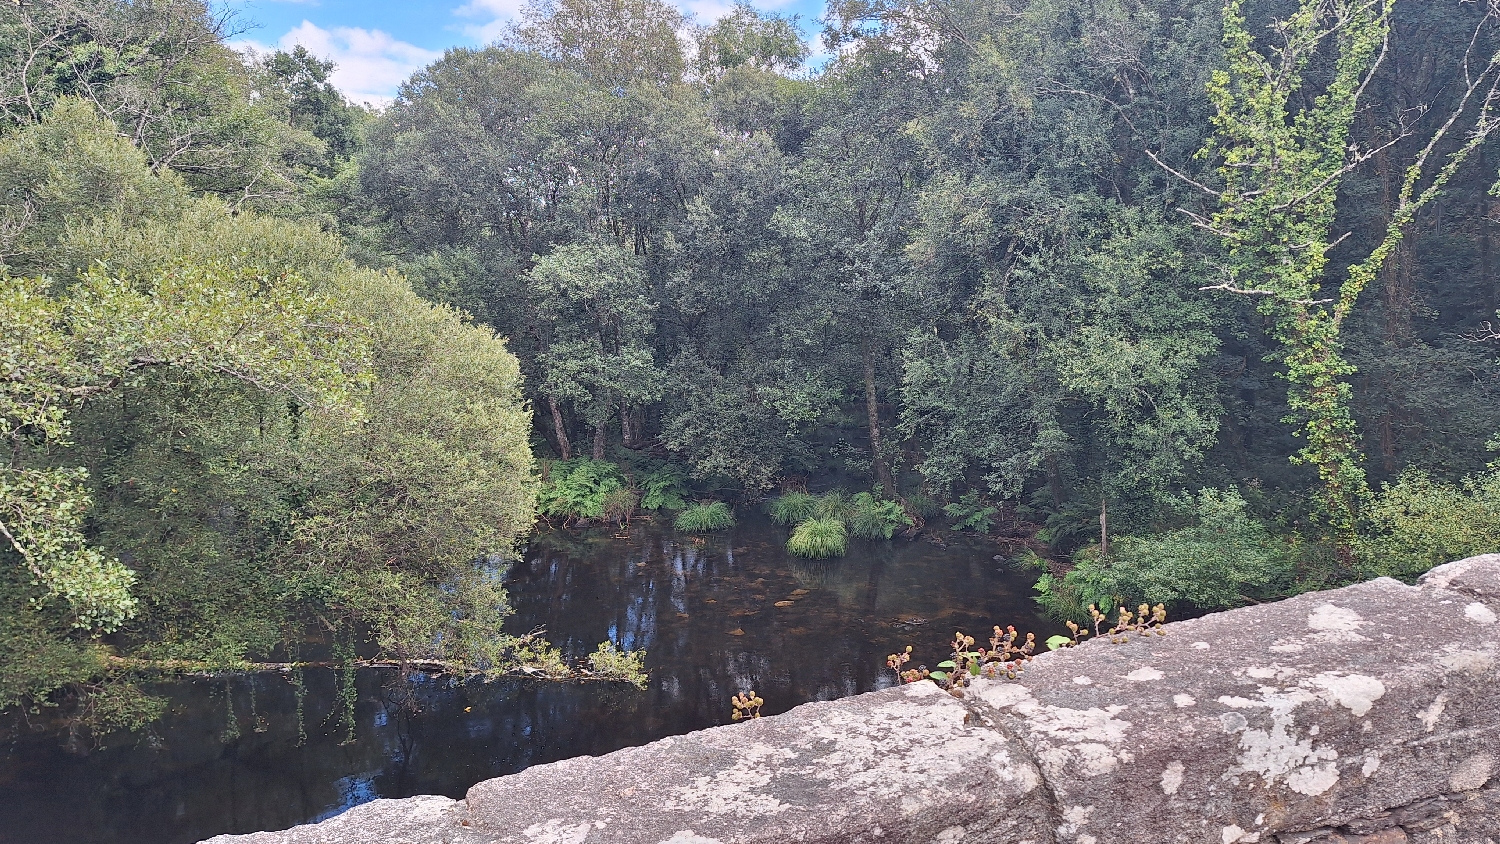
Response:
column 703, row 608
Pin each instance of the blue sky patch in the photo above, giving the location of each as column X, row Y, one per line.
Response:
column 377, row 45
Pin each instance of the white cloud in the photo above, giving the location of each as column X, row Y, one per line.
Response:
column 705, row 12
column 370, row 63
column 492, row 18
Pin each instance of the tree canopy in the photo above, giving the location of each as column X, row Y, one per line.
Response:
column 1191, row 298
column 989, row 249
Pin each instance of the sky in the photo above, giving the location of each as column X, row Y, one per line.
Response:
column 379, row 43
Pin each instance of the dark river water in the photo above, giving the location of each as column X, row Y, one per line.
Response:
column 229, row 756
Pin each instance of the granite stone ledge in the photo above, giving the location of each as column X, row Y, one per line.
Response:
column 1331, row 710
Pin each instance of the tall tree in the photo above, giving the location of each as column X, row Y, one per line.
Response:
column 1283, row 147
column 162, row 73
column 614, row 43
column 299, row 80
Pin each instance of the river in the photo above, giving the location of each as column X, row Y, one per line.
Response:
column 233, row 755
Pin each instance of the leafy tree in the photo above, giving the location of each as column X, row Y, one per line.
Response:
column 599, row 356
column 66, row 167
column 163, row 75
column 960, row 242
column 612, row 43
column 104, row 331
column 1226, row 559
column 300, row 80
column 746, row 37
column 1283, row 151
column 1420, row 522
column 262, row 436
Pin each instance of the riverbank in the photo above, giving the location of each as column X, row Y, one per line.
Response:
column 1364, row 714
column 232, row 754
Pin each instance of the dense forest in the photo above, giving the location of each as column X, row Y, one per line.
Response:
column 1182, row 301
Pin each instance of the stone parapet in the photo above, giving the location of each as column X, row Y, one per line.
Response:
column 1366, row 714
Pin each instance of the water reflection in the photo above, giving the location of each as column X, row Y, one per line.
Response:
column 703, row 608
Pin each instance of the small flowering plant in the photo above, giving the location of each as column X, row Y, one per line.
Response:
column 1005, row 657
column 746, row 705
column 1009, row 652
column 897, row 663
column 1146, row 621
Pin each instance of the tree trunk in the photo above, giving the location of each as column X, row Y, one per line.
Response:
column 599, row 437
column 877, row 449
column 1054, row 481
column 563, row 446
column 1104, row 528
column 1485, row 264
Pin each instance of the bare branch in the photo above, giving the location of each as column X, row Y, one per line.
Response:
column 1349, row 167
column 1147, row 150
column 1228, row 287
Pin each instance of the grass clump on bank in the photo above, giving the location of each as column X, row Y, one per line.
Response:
column 825, row 522
column 819, row 539
column 833, row 504
column 791, row 508
column 704, row 518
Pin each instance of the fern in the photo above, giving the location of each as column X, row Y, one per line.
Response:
column 578, row 489
column 971, row 513
column 665, row 489
column 872, row 518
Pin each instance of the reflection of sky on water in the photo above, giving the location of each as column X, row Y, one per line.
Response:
column 353, row 790
column 702, row 607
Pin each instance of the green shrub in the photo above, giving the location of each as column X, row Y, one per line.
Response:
column 619, row 504
column 1417, row 523
column 1226, row 560
column 1073, row 524
column 872, row 518
column 791, row 508
column 578, row 489
column 819, row 539
column 923, row 505
column 971, row 513
column 702, row 518
column 615, row 664
column 665, row 489
column 833, row 504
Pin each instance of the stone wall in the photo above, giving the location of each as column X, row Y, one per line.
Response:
column 1366, row 714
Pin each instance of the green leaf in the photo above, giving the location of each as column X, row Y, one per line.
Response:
column 947, row 663
column 1055, row 642
column 938, row 675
